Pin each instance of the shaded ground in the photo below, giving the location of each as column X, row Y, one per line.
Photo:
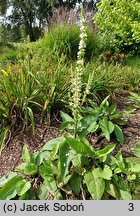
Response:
column 11, row 154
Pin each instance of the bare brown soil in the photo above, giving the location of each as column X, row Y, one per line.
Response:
column 11, row 154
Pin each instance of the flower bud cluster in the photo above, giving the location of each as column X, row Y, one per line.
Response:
column 77, row 76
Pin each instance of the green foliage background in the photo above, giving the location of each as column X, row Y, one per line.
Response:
column 119, row 23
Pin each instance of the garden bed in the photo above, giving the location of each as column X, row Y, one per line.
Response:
column 11, row 154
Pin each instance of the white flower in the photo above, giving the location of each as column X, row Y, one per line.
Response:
column 82, row 44
column 77, row 79
column 82, row 28
column 80, row 62
column 83, row 35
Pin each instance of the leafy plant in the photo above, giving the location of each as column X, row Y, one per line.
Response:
column 103, row 119
column 17, row 90
column 27, row 94
column 53, row 171
column 67, row 165
column 135, row 98
column 119, row 22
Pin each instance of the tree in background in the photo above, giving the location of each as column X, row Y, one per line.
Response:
column 3, row 7
column 9, row 33
column 32, row 15
column 28, row 14
column 119, row 21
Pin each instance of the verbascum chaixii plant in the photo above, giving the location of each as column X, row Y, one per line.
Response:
column 75, row 100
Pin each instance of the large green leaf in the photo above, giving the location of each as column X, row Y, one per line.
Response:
column 112, row 109
column 6, row 178
column 131, row 177
column 51, row 184
column 38, row 157
column 8, row 191
column 56, row 141
column 121, row 162
column 112, row 190
column 107, row 128
column 20, row 168
column 43, row 192
column 22, row 187
column 89, row 110
column 88, row 129
column 106, row 173
column 104, row 103
column 46, row 170
column 29, row 195
column 78, row 163
column 66, row 117
column 110, row 126
column 67, row 125
column 80, row 147
column 123, row 188
column 54, row 152
column 133, row 164
column 95, row 184
column 86, row 142
column 25, row 155
column 119, row 134
column 64, row 158
column 75, row 182
column 87, row 120
column 137, row 150
column 105, row 151
column 67, row 122
column 111, row 161
column 30, row 169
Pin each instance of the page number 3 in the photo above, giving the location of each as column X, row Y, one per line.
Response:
column 131, row 207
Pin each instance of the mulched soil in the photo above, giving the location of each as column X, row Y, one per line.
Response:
column 11, row 154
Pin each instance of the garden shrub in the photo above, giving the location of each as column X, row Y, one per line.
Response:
column 119, row 23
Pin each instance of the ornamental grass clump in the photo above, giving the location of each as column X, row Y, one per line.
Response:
column 77, row 75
